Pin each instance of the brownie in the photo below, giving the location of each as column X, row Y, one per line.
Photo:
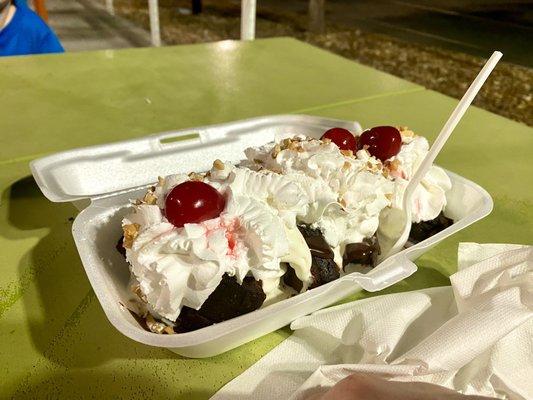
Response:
column 365, row 253
column 229, row 300
column 316, row 242
column 120, row 246
column 323, row 268
column 422, row 230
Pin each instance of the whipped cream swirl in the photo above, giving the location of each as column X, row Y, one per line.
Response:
column 346, row 192
column 256, row 232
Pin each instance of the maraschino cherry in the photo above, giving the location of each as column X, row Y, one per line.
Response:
column 343, row 138
column 193, row 202
column 383, row 142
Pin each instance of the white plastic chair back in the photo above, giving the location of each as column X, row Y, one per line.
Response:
column 248, row 15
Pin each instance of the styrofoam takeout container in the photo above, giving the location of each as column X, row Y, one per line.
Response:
column 112, row 174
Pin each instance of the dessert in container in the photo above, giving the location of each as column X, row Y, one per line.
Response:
column 106, row 177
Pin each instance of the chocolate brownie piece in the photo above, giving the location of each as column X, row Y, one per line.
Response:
column 422, row 230
column 316, row 242
column 323, row 268
column 291, row 279
column 229, row 300
column 120, row 246
column 365, row 253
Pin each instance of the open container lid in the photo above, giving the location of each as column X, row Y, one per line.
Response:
column 97, row 171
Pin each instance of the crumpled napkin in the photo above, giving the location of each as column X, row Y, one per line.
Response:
column 475, row 337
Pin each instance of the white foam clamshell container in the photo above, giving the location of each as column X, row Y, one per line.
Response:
column 112, row 174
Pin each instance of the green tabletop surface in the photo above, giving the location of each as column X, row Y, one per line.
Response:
column 55, row 341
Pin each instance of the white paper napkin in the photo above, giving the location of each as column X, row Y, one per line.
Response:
column 475, row 336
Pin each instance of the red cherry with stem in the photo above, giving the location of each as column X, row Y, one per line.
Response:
column 193, row 202
column 343, row 138
column 383, row 142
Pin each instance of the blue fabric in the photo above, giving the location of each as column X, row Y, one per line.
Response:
column 27, row 33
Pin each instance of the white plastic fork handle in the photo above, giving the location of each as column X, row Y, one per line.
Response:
column 390, row 271
column 438, row 144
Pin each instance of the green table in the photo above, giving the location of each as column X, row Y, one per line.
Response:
column 54, row 338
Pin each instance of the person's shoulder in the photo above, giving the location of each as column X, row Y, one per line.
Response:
column 35, row 31
column 29, row 20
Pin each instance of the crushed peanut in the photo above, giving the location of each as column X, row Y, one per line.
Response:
column 407, row 134
column 388, row 196
column 346, row 166
column 347, row 153
column 276, row 151
column 160, row 180
column 394, row 165
column 153, row 325
column 195, row 176
column 219, row 165
column 168, row 330
column 131, row 231
column 149, row 198
column 294, row 146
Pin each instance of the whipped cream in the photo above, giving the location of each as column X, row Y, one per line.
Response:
column 346, row 193
column 254, row 235
column 429, row 198
column 280, row 185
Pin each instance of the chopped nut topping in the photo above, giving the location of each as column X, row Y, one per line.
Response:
column 257, row 161
column 347, row 153
column 294, row 146
column 195, row 176
column 402, row 128
column 149, row 198
column 346, row 166
column 342, row 202
column 168, row 330
column 160, row 180
column 394, row 165
column 276, row 151
column 286, row 143
column 153, row 325
column 131, row 231
column 388, row 196
column 219, row 165
column 407, row 134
